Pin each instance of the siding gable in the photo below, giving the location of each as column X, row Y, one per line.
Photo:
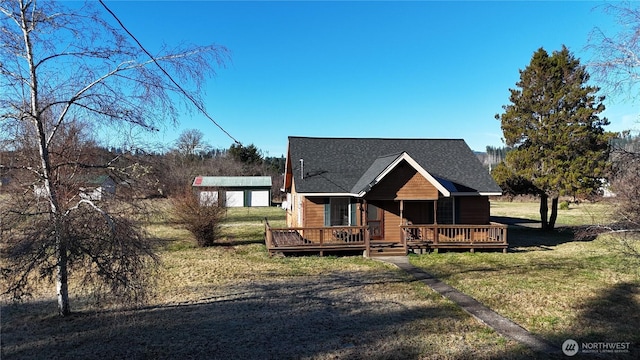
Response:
column 403, row 183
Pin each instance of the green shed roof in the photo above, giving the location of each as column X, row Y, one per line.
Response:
column 232, row 181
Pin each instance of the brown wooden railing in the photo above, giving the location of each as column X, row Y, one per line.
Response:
column 316, row 238
column 436, row 235
column 321, row 239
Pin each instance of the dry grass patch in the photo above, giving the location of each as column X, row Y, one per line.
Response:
column 550, row 283
column 234, row 301
column 577, row 214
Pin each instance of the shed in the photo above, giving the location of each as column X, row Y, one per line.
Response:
column 234, row 191
column 97, row 188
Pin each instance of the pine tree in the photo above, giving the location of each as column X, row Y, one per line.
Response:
column 552, row 124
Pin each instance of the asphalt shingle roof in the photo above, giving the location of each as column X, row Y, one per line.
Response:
column 344, row 165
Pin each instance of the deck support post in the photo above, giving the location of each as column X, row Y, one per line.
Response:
column 367, row 241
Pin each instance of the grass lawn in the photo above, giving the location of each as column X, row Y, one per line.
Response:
column 233, row 301
column 549, row 283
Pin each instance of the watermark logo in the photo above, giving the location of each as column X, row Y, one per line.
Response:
column 570, row 347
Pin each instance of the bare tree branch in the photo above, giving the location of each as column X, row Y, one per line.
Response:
column 58, row 88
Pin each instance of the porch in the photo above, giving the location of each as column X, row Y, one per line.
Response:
column 419, row 238
column 414, row 238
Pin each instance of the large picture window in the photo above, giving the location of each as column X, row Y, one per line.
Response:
column 446, row 211
column 340, row 211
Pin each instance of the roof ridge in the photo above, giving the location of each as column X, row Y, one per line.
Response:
column 372, row 138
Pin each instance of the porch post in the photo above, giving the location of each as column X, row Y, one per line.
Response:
column 435, row 212
column 453, row 207
column 365, row 222
column 435, row 222
column 403, row 239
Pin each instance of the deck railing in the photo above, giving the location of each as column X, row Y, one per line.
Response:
column 316, row 238
column 493, row 235
column 435, row 234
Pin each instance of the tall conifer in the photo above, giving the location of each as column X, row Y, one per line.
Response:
column 553, row 125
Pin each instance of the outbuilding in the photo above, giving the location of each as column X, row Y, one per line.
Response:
column 234, row 191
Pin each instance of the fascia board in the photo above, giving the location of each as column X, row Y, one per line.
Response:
column 288, row 169
column 328, row 194
column 476, row 193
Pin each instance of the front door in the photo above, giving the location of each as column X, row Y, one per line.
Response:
column 375, row 222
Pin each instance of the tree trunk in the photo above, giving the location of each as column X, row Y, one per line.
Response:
column 544, row 211
column 554, row 213
column 37, row 118
column 62, row 274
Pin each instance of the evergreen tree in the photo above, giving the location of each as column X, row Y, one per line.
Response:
column 552, row 124
column 249, row 155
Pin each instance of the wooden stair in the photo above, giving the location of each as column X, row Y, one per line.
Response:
column 387, row 249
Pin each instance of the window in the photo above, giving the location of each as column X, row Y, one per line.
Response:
column 339, row 212
column 446, row 211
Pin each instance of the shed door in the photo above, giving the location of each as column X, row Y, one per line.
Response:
column 208, row 198
column 260, row 198
column 235, row 198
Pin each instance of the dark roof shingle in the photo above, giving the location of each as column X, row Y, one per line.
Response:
column 343, row 165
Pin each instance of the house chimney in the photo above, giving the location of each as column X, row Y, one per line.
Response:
column 301, row 168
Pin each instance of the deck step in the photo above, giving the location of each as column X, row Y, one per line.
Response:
column 387, row 251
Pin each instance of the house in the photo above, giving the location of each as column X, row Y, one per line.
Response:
column 234, row 191
column 385, row 196
column 94, row 188
column 97, row 188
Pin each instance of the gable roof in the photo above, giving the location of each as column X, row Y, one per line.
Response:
column 232, row 181
column 350, row 166
column 384, row 165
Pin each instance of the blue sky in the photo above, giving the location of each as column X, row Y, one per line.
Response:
column 365, row 69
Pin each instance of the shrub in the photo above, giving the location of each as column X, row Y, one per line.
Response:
column 564, row 205
column 202, row 221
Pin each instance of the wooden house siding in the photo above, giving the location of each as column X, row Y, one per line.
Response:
column 473, row 210
column 404, row 183
column 314, row 211
column 417, row 188
column 392, row 220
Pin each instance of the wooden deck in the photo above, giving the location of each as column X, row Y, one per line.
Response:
column 415, row 238
column 321, row 240
column 472, row 237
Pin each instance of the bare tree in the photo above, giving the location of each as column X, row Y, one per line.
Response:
column 616, row 65
column 624, row 184
column 60, row 67
column 191, row 142
column 616, row 57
